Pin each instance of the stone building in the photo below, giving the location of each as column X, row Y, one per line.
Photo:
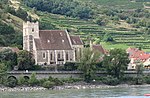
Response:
column 51, row 46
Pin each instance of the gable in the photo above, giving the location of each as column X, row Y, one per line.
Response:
column 75, row 40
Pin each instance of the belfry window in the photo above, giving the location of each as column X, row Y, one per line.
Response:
column 32, row 29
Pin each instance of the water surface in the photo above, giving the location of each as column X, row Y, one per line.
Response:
column 134, row 92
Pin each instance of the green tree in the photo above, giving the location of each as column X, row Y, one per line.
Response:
column 33, row 80
column 25, row 60
column 108, row 38
column 9, row 58
column 116, row 62
column 69, row 8
column 139, row 72
column 48, row 84
column 22, row 14
column 23, row 81
column 3, row 70
column 88, row 64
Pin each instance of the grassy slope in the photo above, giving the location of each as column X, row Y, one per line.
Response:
column 12, row 20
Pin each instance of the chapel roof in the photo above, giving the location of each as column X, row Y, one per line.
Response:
column 53, row 40
column 76, row 40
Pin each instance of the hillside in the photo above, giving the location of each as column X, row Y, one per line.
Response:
column 127, row 22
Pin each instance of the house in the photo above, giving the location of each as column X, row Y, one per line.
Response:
column 136, row 55
column 51, row 47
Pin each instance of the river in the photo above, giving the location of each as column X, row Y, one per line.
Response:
column 120, row 92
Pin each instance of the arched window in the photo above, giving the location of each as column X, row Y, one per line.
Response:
column 51, row 56
column 67, row 58
column 44, row 55
column 58, row 55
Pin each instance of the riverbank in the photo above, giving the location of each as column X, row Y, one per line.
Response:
column 68, row 86
column 15, row 89
column 90, row 86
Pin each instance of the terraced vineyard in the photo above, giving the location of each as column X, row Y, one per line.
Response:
column 124, row 38
column 86, row 29
column 123, row 4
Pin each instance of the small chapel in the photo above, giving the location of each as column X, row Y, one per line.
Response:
column 51, row 47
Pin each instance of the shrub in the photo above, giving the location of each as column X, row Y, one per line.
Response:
column 137, row 81
column 50, row 78
column 41, row 81
column 99, row 79
column 48, row 84
column 55, row 80
column 11, row 82
column 72, row 80
column 109, row 80
column 147, row 79
column 22, row 81
column 33, row 80
column 60, row 68
column 133, row 80
column 37, row 67
column 70, row 66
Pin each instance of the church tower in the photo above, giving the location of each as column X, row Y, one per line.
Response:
column 30, row 31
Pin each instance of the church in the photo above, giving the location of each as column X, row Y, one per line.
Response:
column 51, row 47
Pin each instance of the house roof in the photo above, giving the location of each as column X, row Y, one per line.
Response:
column 75, row 40
column 99, row 48
column 138, row 54
column 53, row 40
column 14, row 49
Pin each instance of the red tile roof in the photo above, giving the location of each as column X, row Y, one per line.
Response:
column 137, row 54
column 53, row 40
column 99, row 48
column 75, row 40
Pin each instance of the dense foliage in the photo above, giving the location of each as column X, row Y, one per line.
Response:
column 25, row 60
column 11, row 82
column 9, row 58
column 33, row 80
column 88, row 64
column 8, row 36
column 116, row 62
column 63, row 7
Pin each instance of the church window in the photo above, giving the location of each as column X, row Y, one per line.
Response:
column 51, row 56
column 44, row 55
column 67, row 56
column 59, row 55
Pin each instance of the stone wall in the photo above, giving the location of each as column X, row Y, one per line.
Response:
column 54, row 57
column 64, row 74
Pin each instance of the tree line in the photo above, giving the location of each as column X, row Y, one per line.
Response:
column 114, row 64
column 9, row 37
column 69, row 8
